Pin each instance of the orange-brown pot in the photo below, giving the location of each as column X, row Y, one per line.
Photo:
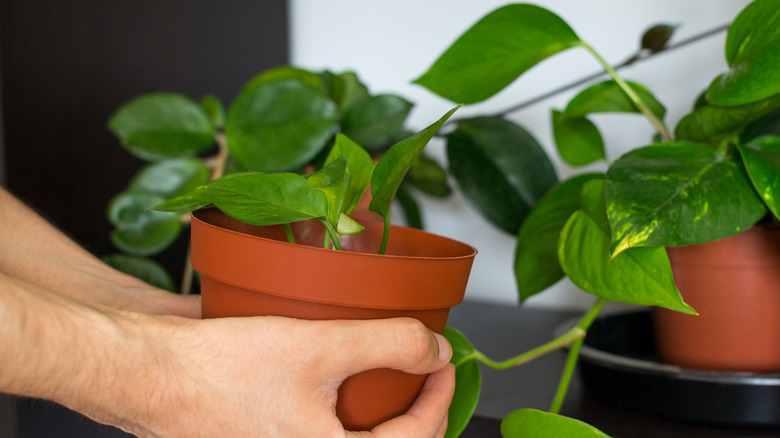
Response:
column 253, row 271
column 734, row 285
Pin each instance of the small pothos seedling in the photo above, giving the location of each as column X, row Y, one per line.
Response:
column 328, row 195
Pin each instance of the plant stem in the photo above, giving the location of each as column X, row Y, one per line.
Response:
column 560, row 342
column 385, row 237
column 334, row 236
column 655, row 121
column 218, row 168
column 574, row 353
column 288, row 231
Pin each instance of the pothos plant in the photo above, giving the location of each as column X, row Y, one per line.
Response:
column 715, row 175
column 283, row 120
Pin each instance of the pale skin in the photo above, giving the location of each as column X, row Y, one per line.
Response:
column 121, row 352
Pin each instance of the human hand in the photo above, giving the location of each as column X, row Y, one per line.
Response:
column 273, row 376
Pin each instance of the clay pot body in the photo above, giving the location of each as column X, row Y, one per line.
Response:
column 253, row 271
column 734, row 285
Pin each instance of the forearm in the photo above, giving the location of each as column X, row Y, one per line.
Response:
column 34, row 251
column 97, row 361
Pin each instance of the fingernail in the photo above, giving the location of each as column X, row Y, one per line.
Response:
column 445, row 349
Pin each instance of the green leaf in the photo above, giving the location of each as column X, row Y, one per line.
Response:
column 709, row 124
column 310, row 79
column 360, row 166
column 392, row 167
column 577, row 139
column 268, row 198
column 495, row 51
column 526, row 423
column 333, row 180
column 410, row 208
column 376, row 121
column 345, row 89
column 536, row 253
column 762, row 161
column 279, row 125
column 215, row 109
column 190, row 201
column 348, row 226
column 608, row 97
column 468, row 382
column 139, row 231
column 428, row 176
column 766, row 125
column 657, row 37
column 640, row 276
column 142, row 268
column 162, row 125
column 500, row 168
column 678, row 193
column 753, row 55
column 169, row 178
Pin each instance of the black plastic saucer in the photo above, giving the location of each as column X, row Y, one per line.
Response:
column 618, row 365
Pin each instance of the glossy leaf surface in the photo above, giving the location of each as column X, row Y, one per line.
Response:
column 268, row 198
column 143, row 268
column 536, row 253
column 577, row 139
column 345, row 89
column 608, row 97
column 139, row 231
column 527, row 423
column 710, row 124
column 162, row 125
column 333, row 180
column 169, row 178
column 500, row 168
column 678, row 194
column 753, row 55
column 392, row 167
column 428, row 176
column 377, row 120
column 638, row 276
column 495, row 51
column 468, row 382
column 360, row 166
column 279, row 125
column 310, row 79
column 762, row 161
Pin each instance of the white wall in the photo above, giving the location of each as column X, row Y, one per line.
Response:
column 389, row 43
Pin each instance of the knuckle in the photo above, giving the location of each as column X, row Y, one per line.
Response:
column 415, row 340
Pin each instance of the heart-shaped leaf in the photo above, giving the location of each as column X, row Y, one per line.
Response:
column 525, row 423
column 638, row 276
column 377, row 120
column 310, row 79
column 500, row 168
column 762, row 161
column 360, row 166
column 468, row 382
column 333, row 180
column 536, row 253
column 170, row 178
column 162, row 125
column 577, row 139
column 138, row 230
column 608, row 97
column 495, row 51
column 268, row 198
column 279, row 125
column 678, row 193
column 345, row 89
column 394, row 164
column 753, row 55
column 142, row 268
column 711, row 124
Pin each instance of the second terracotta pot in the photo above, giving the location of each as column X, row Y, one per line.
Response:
column 253, row 271
column 734, row 285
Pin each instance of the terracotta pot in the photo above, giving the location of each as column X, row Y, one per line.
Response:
column 253, row 271
column 734, row 284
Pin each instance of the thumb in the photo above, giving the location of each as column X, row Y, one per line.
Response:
column 403, row 344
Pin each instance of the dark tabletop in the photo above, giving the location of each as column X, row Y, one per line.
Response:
column 502, row 331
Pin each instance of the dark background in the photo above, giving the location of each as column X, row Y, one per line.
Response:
column 67, row 66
